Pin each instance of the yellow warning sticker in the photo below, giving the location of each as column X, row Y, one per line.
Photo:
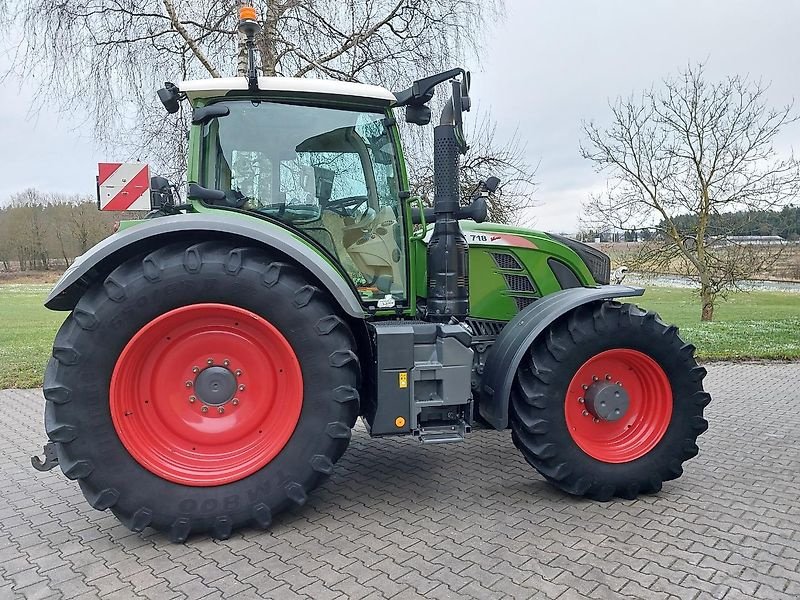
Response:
column 402, row 379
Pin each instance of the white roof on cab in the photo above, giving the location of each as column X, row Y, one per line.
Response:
column 219, row 86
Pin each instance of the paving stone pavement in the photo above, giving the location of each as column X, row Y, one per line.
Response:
column 473, row 520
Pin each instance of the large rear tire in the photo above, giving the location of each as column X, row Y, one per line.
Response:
column 201, row 388
column 609, row 402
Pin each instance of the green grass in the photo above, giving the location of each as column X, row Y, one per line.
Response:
column 27, row 330
column 760, row 325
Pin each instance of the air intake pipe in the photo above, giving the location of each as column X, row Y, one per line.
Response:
column 448, row 256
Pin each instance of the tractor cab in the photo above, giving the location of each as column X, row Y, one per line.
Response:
column 318, row 157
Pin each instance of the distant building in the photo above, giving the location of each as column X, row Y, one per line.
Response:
column 752, row 240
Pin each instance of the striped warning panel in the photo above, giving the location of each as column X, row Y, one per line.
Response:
column 123, row 186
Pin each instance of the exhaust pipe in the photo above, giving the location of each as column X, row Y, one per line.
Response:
column 448, row 252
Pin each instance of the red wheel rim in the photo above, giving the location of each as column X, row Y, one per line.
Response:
column 644, row 422
column 171, row 431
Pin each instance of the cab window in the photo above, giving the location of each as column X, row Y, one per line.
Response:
column 330, row 173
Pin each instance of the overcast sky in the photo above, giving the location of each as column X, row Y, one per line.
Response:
column 547, row 67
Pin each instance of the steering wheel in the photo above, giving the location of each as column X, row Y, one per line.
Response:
column 345, row 207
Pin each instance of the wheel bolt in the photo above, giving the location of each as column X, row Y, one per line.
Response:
column 195, row 369
column 586, row 413
column 235, row 401
column 189, row 384
column 595, row 377
column 580, row 400
column 221, row 409
column 241, row 387
column 226, row 363
column 596, row 420
column 584, row 386
column 210, row 361
column 608, row 377
column 238, row 372
column 192, row 398
column 619, row 384
column 204, row 409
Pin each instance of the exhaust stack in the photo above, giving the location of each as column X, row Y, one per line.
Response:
column 448, row 256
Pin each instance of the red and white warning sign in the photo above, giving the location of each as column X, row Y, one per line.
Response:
column 123, row 186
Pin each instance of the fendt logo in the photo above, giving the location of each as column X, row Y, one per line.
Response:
column 123, row 186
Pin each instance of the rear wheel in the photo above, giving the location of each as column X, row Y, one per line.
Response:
column 609, row 402
column 200, row 389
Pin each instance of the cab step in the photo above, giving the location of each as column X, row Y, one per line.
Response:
column 444, row 433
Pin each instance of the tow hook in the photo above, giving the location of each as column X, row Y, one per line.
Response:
column 50, row 458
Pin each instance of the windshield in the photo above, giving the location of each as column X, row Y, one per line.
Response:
column 331, row 173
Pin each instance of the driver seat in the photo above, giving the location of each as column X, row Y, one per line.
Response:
column 374, row 249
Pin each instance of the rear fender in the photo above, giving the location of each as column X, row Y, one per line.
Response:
column 101, row 259
column 520, row 333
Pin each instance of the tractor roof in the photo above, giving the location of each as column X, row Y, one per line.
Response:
column 219, row 86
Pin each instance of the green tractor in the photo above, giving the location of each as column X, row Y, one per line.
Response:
column 218, row 354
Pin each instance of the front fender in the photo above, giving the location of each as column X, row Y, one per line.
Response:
column 517, row 336
column 102, row 258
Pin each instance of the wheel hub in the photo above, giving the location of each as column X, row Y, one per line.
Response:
column 607, row 401
column 215, row 386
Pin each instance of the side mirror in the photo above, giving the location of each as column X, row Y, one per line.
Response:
column 466, row 102
column 160, row 192
column 490, row 185
column 418, row 115
column 459, row 103
column 170, row 97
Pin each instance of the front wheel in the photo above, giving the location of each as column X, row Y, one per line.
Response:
column 201, row 388
column 609, row 402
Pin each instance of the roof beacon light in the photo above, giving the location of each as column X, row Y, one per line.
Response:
column 249, row 27
column 247, row 13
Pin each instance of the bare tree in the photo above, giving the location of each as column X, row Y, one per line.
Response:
column 86, row 224
column 697, row 149
column 6, row 241
column 38, row 230
column 105, row 58
column 31, row 229
column 485, row 158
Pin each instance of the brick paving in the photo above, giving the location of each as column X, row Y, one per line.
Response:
column 473, row 520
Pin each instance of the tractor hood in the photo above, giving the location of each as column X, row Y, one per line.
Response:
column 493, row 234
column 589, row 266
